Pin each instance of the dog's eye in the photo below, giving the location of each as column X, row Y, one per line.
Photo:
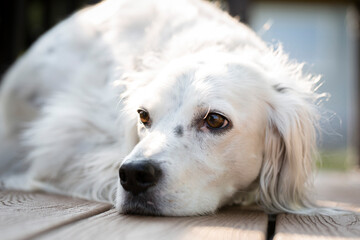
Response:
column 144, row 116
column 215, row 120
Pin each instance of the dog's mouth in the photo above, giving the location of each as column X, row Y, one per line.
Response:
column 141, row 204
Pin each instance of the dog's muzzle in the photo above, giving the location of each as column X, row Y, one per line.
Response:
column 138, row 176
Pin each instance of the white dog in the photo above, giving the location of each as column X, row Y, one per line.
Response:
column 188, row 106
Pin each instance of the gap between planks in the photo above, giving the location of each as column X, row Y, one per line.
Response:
column 335, row 190
column 44, row 216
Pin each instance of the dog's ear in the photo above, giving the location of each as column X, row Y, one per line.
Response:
column 290, row 145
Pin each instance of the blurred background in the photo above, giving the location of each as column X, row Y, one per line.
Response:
column 322, row 33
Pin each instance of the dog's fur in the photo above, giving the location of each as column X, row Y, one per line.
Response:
column 69, row 111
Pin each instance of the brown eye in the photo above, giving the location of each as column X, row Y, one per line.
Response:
column 214, row 120
column 144, row 116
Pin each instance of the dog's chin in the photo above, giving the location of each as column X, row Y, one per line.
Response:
column 141, row 204
column 148, row 204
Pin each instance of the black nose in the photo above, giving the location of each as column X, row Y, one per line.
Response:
column 137, row 177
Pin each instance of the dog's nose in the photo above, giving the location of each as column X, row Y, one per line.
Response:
column 137, row 177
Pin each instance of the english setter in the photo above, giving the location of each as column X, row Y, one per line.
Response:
column 159, row 107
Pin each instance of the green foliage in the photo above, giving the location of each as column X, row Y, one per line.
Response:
column 335, row 160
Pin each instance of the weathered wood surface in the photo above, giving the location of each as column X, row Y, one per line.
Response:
column 295, row 227
column 339, row 190
column 46, row 216
column 24, row 215
column 230, row 223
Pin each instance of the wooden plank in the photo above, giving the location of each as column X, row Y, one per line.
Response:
column 339, row 190
column 295, row 227
column 24, row 215
column 229, row 223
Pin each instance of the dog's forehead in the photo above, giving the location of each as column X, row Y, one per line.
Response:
column 196, row 80
column 188, row 87
column 191, row 87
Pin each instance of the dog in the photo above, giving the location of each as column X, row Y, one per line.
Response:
column 160, row 108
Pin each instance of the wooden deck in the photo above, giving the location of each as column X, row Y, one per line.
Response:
column 45, row 216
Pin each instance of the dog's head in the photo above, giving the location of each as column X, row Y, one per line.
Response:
column 213, row 128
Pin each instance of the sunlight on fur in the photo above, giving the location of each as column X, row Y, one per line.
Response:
column 171, row 108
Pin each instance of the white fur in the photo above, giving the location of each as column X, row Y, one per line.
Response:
column 69, row 120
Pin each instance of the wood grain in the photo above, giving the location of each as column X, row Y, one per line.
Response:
column 45, row 216
column 295, row 227
column 229, row 223
column 340, row 190
column 24, row 215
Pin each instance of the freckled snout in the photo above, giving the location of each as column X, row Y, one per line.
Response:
column 136, row 177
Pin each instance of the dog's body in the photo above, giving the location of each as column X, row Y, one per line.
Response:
column 69, row 121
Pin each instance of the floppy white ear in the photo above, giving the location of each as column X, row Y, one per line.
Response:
column 290, row 145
